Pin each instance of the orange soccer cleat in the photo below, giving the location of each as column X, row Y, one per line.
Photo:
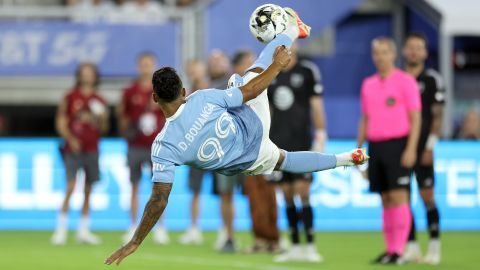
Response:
column 359, row 156
column 303, row 29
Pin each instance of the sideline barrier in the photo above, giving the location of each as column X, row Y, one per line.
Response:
column 32, row 182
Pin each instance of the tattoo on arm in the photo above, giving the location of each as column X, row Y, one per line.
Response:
column 153, row 210
column 437, row 113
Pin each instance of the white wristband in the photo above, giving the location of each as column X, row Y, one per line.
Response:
column 320, row 135
column 431, row 141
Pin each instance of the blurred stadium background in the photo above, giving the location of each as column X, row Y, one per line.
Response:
column 42, row 42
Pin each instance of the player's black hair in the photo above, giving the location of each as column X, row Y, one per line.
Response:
column 89, row 65
column 148, row 54
column 167, row 84
column 239, row 56
column 418, row 35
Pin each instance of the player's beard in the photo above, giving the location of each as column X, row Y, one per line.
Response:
column 414, row 64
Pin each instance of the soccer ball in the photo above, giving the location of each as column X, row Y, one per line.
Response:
column 267, row 21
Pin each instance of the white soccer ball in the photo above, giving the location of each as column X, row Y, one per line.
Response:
column 267, row 21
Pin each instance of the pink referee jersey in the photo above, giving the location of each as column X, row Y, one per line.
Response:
column 387, row 103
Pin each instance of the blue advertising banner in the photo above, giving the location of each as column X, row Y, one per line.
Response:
column 56, row 48
column 32, row 182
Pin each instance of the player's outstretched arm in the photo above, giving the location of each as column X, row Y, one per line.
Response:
column 257, row 85
column 153, row 210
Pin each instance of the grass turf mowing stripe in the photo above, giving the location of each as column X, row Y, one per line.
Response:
column 342, row 250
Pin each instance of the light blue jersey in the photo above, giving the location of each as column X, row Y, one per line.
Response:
column 213, row 130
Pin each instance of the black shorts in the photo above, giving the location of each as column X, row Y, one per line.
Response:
column 385, row 171
column 286, row 177
column 137, row 157
column 86, row 161
column 424, row 174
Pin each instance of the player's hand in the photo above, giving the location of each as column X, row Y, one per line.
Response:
column 427, row 158
column 75, row 144
column 409, row 157
column 121, row 253
column 282, row 56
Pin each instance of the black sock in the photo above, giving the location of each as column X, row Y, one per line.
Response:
column 412, row 236
column 307, row 219
column 433, row 220
column 293, row 223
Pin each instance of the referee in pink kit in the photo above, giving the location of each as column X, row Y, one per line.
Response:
column 390, row 121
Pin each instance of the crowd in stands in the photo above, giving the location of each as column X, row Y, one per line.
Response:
column 114, row 11
column 123, row 11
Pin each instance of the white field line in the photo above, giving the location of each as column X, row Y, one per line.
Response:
column 220, row 263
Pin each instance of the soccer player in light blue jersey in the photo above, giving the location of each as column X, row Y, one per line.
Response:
column 226, row 131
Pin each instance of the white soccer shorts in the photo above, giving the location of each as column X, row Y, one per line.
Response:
column 269, row 153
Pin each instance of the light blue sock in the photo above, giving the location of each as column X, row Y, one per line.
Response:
column 266, row 56
column 306, row 162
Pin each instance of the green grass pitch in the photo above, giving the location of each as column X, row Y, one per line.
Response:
column 342, row 250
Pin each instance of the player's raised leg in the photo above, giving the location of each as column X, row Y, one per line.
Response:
column 268, row 153
column 294, row 19
column 294, row 29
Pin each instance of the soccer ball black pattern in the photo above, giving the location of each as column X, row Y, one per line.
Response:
column 267, row 21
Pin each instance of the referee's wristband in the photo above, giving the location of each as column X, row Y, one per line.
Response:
column 431, row 141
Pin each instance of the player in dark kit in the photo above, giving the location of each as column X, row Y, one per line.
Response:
column 297, row 105
column 432, row 95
